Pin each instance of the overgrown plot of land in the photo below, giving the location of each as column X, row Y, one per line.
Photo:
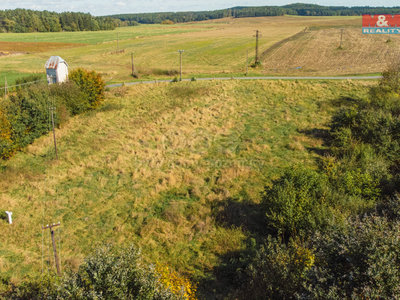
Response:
column 151, row 166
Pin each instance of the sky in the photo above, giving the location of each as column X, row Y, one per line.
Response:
column 107, row 7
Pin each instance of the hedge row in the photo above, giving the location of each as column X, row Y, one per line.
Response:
column 25, row 114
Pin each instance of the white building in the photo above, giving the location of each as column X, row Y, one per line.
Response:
column 56, row 70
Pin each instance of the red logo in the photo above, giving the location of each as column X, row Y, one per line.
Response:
column 381, row 21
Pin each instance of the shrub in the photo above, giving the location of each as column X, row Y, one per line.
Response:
column 107, row 274
column 34, row 78
column 167, row 22
column 357, row 183
column 362, row 262
column 114, row 274
column 378, row 128
column 277, row 270
column 71, row 96
column 91, row 84
column 28, row 114
column 6, row 144
column 179, row 285
column 25, row 115
column 35, row 288
column 295, row 202
column 390, row 82
column 3, row 215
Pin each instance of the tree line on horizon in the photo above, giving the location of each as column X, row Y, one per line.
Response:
column 25, row 20
column 259, row 11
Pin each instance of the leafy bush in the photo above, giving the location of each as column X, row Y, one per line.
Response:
column 362, row 262
column 295, row 202
column 113, row 274
column 389, row 85
column 3, row 215
column 36, row 288
column 277, row 270
column 34, row 78
column 179, row 285
column 28, row 114
column 91, row 84
column 6, row 144
column 71, row 96
column 167, row 22
column 25, row 115
column 107, row 274
column 378, row 128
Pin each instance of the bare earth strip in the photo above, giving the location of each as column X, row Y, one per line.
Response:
column 31, row 47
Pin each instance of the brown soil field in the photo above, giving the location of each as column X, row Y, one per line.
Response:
column 29, row 47
column 318, row 51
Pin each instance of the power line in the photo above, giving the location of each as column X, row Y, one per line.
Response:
column 7, row 87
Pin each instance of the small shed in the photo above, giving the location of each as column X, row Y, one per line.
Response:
column 56, row 70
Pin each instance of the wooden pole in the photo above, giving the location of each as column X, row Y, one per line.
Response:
column 54, row 245
column 133, row 66
column 247, row 62
column 257, row 37
column 5, row 87
column 341, row 38
column 180, row 54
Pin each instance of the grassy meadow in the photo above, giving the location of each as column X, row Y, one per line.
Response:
column 170, row 167
column 214, row 48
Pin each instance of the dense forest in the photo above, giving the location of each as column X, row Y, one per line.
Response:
column 242, row 12
column 24, row 20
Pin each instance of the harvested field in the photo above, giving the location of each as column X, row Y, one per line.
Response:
column 318, row 51
column 7, row 48
column 212, row 48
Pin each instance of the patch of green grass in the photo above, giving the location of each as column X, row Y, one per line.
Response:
column 12, row 76
column 96, row 37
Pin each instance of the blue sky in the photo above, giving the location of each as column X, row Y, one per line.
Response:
column 106, row 7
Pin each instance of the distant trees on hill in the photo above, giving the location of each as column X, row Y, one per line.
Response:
column 24, row 20
column 260, row 11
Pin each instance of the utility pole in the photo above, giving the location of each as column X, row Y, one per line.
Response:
column 257, row 61
column 247, row 62
column 180, row 55
column 341, row 38
column 52, row 109
column 51, row 226
column 5, row 87
column 133, row 66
